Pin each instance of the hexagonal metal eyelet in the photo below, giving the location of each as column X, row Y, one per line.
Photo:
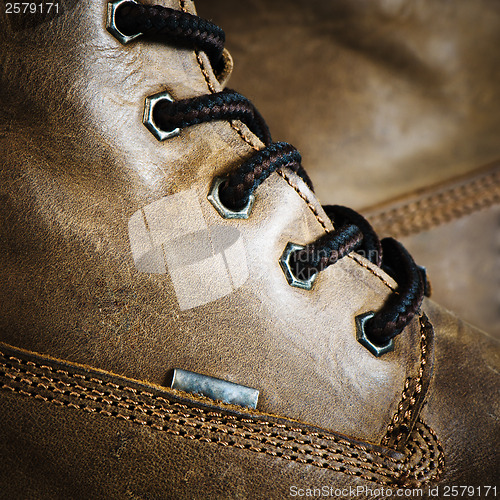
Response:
column 225, row 212
column 293, row 280
column 111, row 22
column 148, row 120
column 375, row 349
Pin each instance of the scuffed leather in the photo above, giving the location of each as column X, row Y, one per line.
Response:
column 77, row 163
column 135, row 440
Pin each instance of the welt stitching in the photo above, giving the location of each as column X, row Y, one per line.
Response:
column 263, row 440
column 210, row 414
column 396, row 419
column 376, row 470
column 233, row 444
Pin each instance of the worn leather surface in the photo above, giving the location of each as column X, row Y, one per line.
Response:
column 77, row 165
column 67, row 251
column 383, row 99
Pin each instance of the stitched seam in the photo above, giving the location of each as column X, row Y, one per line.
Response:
column 266, row 437
column 205, row 72
column 263, row 439
column 326, row 456
column 430, row 452
column 243, row 136
column 400, row 418
column 375, row 469
column 322, row 222
column 441, row 458
column 434, row 209
column 363, row 264
column 395, row 475
column 197, row 437
column 216, row 416
column 306, row 199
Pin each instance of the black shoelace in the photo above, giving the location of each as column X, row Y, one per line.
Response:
column 352, row 232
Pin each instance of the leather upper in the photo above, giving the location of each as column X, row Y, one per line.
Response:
column 73, row 217
column 91, row 202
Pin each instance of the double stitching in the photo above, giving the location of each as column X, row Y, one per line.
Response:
column 440, row 206
column 400, row 426
column 287, row 442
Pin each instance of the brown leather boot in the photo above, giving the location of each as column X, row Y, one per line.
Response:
column 192, row 252
column 395, row 107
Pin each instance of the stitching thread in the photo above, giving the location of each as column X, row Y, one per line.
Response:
column 308, row 202
column 441, row 458
column 213, row 415
column 213, row 90
column 439, row 207
column 363, row 264
column 294, row 451
column 264, row 438
column 401, row 419
column 323, row 224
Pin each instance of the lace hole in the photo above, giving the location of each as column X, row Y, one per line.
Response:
column 296, row 275
column 149, row 121
column 223, row 210
column 363, row 339
column 111, row 22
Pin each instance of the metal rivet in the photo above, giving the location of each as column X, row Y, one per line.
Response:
column 291, row 277
column 227, row 213
column 148, row 120
column 376, row 350
column 214, row 388
column 111, row 22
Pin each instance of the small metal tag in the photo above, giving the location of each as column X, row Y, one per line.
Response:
column 214, row 388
